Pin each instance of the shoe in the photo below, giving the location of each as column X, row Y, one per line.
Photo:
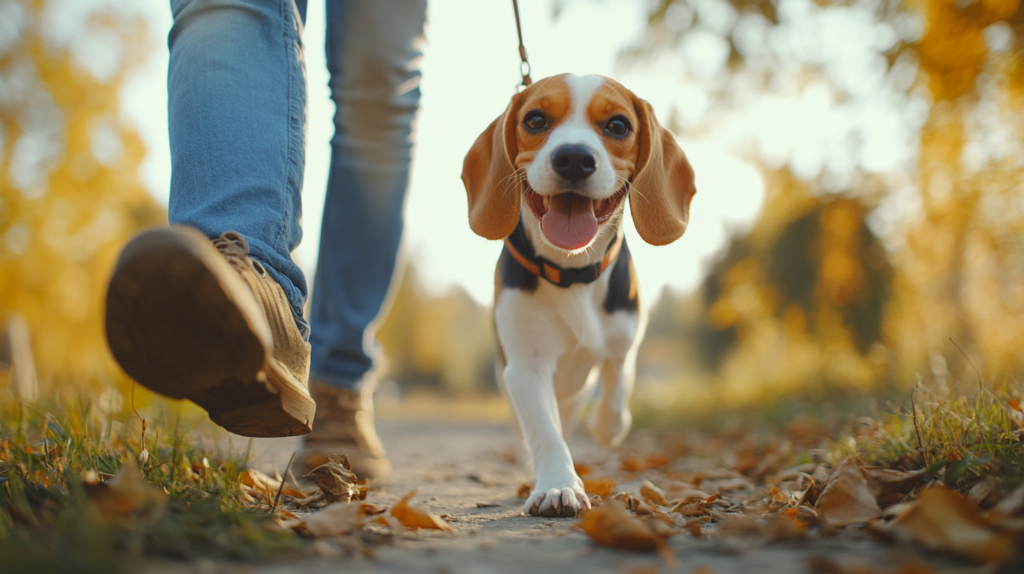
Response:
column 345, row 427
column 193, row 319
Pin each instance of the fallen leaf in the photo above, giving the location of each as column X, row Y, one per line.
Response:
column 807, row 514
column 413, row 517
column 334, row 519
column 524, row 490
column 890, row 486
column 372, row 509
column 612, row 525
column 681, row 489
column 783, row 527
column 846, row 499
column 266, row 485
column 694, row 505
column 824, row 566
column 337, row 481
column 941, row 519
column 658, row 461
column 792, row 473
column 1013, row 504
column 694, row 526
column 728, row 484
column 582, row 469
column 653, row 494
column 124, row 495
column 986, row 492
column 632, row 463
column 600, row 487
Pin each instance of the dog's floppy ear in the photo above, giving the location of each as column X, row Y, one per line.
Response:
column 487, row 174
column 662, row 184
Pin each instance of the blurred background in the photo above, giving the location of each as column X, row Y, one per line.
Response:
column 859, row 168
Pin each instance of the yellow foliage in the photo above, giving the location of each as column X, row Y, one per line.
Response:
column 69, row 190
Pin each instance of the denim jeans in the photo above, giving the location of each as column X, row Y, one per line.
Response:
column 237, row 120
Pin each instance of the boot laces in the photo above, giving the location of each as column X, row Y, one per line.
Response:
column 236, row 250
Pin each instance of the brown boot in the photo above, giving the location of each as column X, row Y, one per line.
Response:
column 345, row 427
column 199, row 320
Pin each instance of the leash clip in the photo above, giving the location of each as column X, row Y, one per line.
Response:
column 524, row 66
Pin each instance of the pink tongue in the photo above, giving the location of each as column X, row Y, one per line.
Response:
column 570, row 222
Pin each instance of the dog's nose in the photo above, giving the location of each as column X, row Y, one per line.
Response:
column 573, row 162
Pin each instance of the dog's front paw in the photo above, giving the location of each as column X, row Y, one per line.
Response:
column 608, row 427
column 565, row 502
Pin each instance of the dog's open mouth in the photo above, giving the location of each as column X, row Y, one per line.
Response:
column 570, row 220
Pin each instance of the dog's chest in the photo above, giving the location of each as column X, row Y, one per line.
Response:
column 565, row 324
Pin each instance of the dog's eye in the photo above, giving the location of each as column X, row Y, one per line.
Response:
column 535, row 121
column 617, row 126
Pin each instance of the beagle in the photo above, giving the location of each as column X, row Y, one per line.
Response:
column 549, row 177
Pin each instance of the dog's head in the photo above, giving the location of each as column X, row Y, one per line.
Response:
column 568, row 149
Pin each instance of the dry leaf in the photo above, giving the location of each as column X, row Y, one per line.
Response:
column 582, row 469
column 126, row 494
column 612, row 525
column 694, row 505
column 266, row 485
column 890, row 486
column 337, row 481
column 658, row 461
column 413, row 517
column 335, row 519
column 783, row 526
column 728, row 484
column 653, row 494
column 632, row 463
column 600, row 487
column 524, row 490
column 943, row 520
column 824, row 566
column 846, row 499
column 986, row 492
column 1013, row 504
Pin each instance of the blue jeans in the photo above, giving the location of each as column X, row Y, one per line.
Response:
column 237, row 117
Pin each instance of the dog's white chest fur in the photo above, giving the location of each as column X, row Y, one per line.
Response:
column 564, row 329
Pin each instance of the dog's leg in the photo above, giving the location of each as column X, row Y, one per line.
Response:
column 569, row 406
column 611, row 419
column 558, row 491
column 522, row 453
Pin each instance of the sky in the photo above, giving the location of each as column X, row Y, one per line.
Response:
column 470, row 70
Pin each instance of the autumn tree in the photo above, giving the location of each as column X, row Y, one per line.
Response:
column 948, row 212
column 70, row 194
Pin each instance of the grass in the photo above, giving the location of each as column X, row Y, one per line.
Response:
column 964, row 436
column 48, row 522
column 961, row 435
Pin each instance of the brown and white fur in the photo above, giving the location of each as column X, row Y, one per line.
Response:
column 556, row 341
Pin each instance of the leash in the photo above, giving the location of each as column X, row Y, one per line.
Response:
column 524, row 66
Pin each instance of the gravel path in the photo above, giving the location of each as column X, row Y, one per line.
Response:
column 457, row 466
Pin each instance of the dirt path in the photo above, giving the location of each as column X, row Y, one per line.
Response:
column 456, row 466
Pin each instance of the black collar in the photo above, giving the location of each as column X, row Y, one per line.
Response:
column 518, row 245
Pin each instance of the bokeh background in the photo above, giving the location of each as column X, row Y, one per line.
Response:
column 859, row 208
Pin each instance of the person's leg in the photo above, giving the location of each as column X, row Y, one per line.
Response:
column 236, row 117
column 210, row 310
column 373, row 52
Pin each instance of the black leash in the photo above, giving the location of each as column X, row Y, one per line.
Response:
column 524, row 66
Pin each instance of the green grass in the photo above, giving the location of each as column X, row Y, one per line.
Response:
column 961, row 434
column 49, row 523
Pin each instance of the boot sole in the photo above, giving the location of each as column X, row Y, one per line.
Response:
column 182, row 323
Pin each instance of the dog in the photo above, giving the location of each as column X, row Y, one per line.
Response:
column 549, row 177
